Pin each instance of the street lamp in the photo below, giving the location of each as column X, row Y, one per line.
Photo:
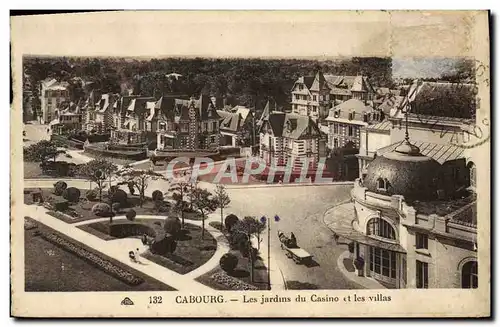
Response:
column 263, row 219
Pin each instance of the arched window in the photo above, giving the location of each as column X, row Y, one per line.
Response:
column 380, row 228
column 469, row 275
column 382, row 184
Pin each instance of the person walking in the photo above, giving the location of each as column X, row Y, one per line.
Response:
column 132, row 257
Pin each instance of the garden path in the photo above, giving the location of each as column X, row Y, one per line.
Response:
column 118, row 250
column 277, row 282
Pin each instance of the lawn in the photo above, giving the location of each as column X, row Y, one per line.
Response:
column 49, row 268
column 192, row 251
column 241, row 273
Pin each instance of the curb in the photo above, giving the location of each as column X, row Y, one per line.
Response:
column 229, row 186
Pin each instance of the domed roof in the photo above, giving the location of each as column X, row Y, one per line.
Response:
column 406, row 172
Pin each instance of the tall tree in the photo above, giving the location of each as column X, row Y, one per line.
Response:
column 204, row 203
column 222, row 199
column 97, row 171
column 250, row 226
column 180, row 189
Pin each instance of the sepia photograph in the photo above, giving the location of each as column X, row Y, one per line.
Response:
column 345, row 177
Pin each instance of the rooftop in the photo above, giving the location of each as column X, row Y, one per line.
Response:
column 439, row 152
column 443, row 208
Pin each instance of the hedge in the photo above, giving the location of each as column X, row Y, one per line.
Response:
column 135, row 155
column 128, row 229
column 92, row 258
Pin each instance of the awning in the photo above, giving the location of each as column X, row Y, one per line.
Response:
column 340, row 220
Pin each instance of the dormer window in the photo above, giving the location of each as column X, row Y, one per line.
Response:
column 365, row 117
column 336, row 113
column 351, row 115
column 382, row 184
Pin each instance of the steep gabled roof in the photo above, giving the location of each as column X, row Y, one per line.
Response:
column 357, row 83
column 291, row 125
column 343, row 110
column 319, row 82
column 138, row 105
column 231, row 121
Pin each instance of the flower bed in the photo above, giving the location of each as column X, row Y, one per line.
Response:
column 92, row 258
column 232, row 282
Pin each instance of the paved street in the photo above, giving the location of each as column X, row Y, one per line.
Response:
column 301, row 210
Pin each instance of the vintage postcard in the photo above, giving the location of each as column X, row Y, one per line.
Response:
column 251, row 164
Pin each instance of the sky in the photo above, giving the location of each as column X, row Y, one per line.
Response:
column 436, row 36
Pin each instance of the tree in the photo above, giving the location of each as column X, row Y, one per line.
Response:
column 181, row 189
column 222, row 199
column 42, row 151
column 97, row 171
column 138, row 179
column 250, row 226
column 204, row 203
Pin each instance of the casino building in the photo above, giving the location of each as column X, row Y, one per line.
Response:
column 413, row 221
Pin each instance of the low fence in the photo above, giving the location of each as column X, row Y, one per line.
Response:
column 135, row 154
column 127, row 147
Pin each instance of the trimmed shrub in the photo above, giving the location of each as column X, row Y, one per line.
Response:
column 230, row 221
column 228, row 262
column 157, row 195
column 172, row 225
column 131, row 214
column 59, row 187
column 116, row 207
column 61, row 205
column 102, row 210
column 91, row 195
column 72, row 194
column 238, row 241
column 119, row 196
column 164, row 246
